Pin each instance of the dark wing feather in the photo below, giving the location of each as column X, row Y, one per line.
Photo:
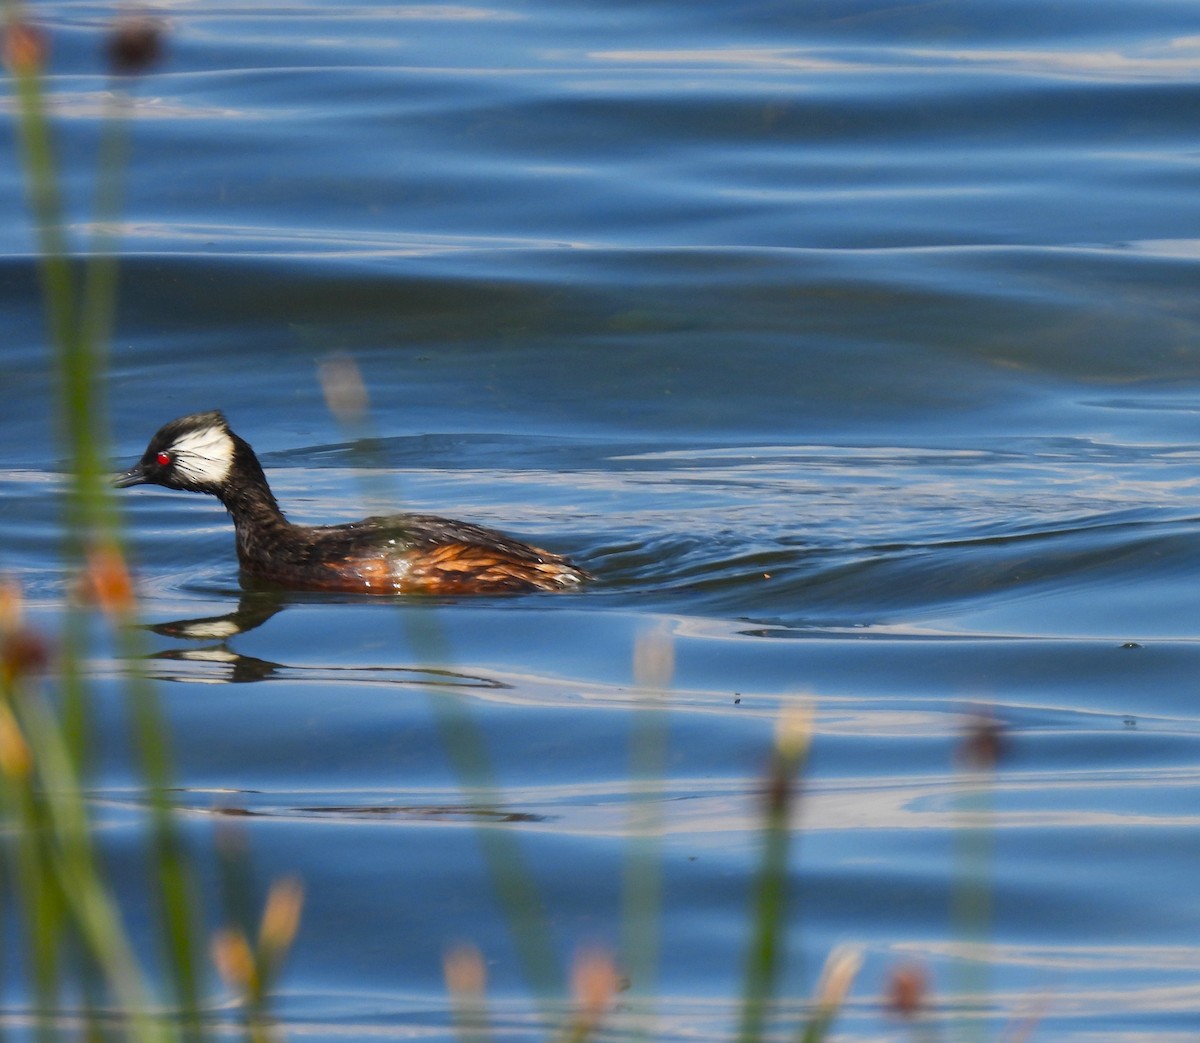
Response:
column 443, row 556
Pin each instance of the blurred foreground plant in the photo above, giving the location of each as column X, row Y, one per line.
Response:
column 76, row 950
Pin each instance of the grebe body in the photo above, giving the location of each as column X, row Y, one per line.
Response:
column 398, row 554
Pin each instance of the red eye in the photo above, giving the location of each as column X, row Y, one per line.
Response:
column 163, row 459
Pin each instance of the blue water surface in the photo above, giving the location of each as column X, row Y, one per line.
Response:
column 853, row 346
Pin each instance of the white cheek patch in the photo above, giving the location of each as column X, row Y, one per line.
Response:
column 203, row 456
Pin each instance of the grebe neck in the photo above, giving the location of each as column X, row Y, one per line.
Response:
column 257, row 519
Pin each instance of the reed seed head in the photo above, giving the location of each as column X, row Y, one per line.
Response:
column 465, row 972
column 107, row 582
column 983, row 744
column 16, row 760
column 594, row 983
column 281, row 918
column 841, row 968
column 22, row 654
column 135, row 45
column 907, row 990
column 26, row 48
column 22, row 651
column 654, row 660
column 234, row 960
column 793, row 731
column 345, row 390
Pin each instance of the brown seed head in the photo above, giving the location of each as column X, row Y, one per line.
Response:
column 465, row 971
column 234, row 959
column 107, row 583
column 16, row 759
column 281, row 918
column 779, row 789
column 594, row 983
column 907, row 990
column 22, row 653
column 12, row 606
column 983, row 744
column 25, row 49
column 135, row 44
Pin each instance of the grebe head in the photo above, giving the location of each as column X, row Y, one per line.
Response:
column 195, row 453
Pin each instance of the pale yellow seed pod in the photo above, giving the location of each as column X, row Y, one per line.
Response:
column 16, row 759
column 841, row 968
column 281, row 917
column 794, row 730
column 345, row 391
column 594, row 983
column 465, row 972
column 234, row 960
column 654, row 660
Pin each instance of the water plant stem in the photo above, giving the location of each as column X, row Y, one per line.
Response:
column 79, row 329
column 461, row 737
column 769, row 919
column 641, row 923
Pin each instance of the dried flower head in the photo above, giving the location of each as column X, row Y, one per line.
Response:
column 594, row 983
column 907, row 990
column 26, row 48
column 837, row 976
column 107, row 583
column 281, row 918
column 794, row 730
column 234, row 959
column 12, row 606
column 22, row 653
column 654, row 660
column 135, row 44
column 983, row 744
column 465, row 972
column 344, row 388
column 16, row 759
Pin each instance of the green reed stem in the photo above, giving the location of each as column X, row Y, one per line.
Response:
column 463, row 740
column 40, row 899
column 44, row 201
column 176, row 891
column 58, row 286
column 641, row 923
column 512, row 878
column 79, row 335
column 33, row 876
column 818, row 1027
column 765, row 953
column 57, row 864
column 176, row 894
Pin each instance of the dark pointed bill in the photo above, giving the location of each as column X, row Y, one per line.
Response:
column 134, row 476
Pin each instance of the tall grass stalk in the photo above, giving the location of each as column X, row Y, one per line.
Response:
column 79, row 323
column 70, row 911
column 769, row 914
column 979, row 754
column 461, row 736
column 641, row 924
column 55, row 864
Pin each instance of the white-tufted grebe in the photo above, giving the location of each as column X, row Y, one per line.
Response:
column 398, row 554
